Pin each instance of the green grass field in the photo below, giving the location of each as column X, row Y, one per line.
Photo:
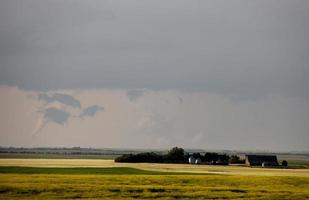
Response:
column 104, row 179
column 85, row 170
column 299, row 163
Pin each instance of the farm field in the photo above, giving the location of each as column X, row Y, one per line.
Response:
column 115, row 185
column 104, row 179
column 56, row 156
column 228, row 170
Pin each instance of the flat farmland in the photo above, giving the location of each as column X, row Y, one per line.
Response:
column 104, row 179
column 228, row 170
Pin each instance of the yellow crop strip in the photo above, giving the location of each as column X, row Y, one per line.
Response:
column 16, row 186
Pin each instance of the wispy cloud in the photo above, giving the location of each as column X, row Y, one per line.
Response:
column 135, row 94
column 54, row 115
column 62, row 98
column 91, row 111
column 61, row 115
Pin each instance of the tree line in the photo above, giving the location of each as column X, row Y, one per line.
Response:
column 178, row 155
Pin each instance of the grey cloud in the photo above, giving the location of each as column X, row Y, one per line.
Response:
column 60, row 116
column 53, row 115
column 180, row 99
column 135, row 94
column 56, row 115
column 91, row 111
column 238, row 48
column 62, row 98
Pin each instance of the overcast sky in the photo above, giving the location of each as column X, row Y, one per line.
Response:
column 200, row 73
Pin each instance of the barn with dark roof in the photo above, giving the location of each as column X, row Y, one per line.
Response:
column 261, row 160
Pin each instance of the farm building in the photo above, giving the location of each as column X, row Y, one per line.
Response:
column 192, row 160
column 261, row 160
column 198, row 161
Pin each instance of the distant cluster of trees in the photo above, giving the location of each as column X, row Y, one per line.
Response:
column 218, row 159
column 175, row 155
column 213, row 158
column 63, row 151
column 234, row 159
column 178, row 155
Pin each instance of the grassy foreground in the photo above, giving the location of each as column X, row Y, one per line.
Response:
column 51, row 186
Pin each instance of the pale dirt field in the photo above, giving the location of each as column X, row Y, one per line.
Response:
column 232, row 170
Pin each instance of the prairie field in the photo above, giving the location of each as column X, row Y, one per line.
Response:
column 131, row 186
column 104, row 179
column 215, row 169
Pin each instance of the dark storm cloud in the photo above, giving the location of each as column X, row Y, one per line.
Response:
column 91, row 111
column 239, row 48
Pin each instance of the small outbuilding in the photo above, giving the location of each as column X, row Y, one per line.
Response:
column 198, row 161
column 192, row 160
column 261, row 160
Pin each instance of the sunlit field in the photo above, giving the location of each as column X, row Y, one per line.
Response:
column 139, row 186
column 104, row 179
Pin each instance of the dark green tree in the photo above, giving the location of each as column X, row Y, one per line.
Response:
column 176, row 154
column 234, row 159
column 284, row 163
